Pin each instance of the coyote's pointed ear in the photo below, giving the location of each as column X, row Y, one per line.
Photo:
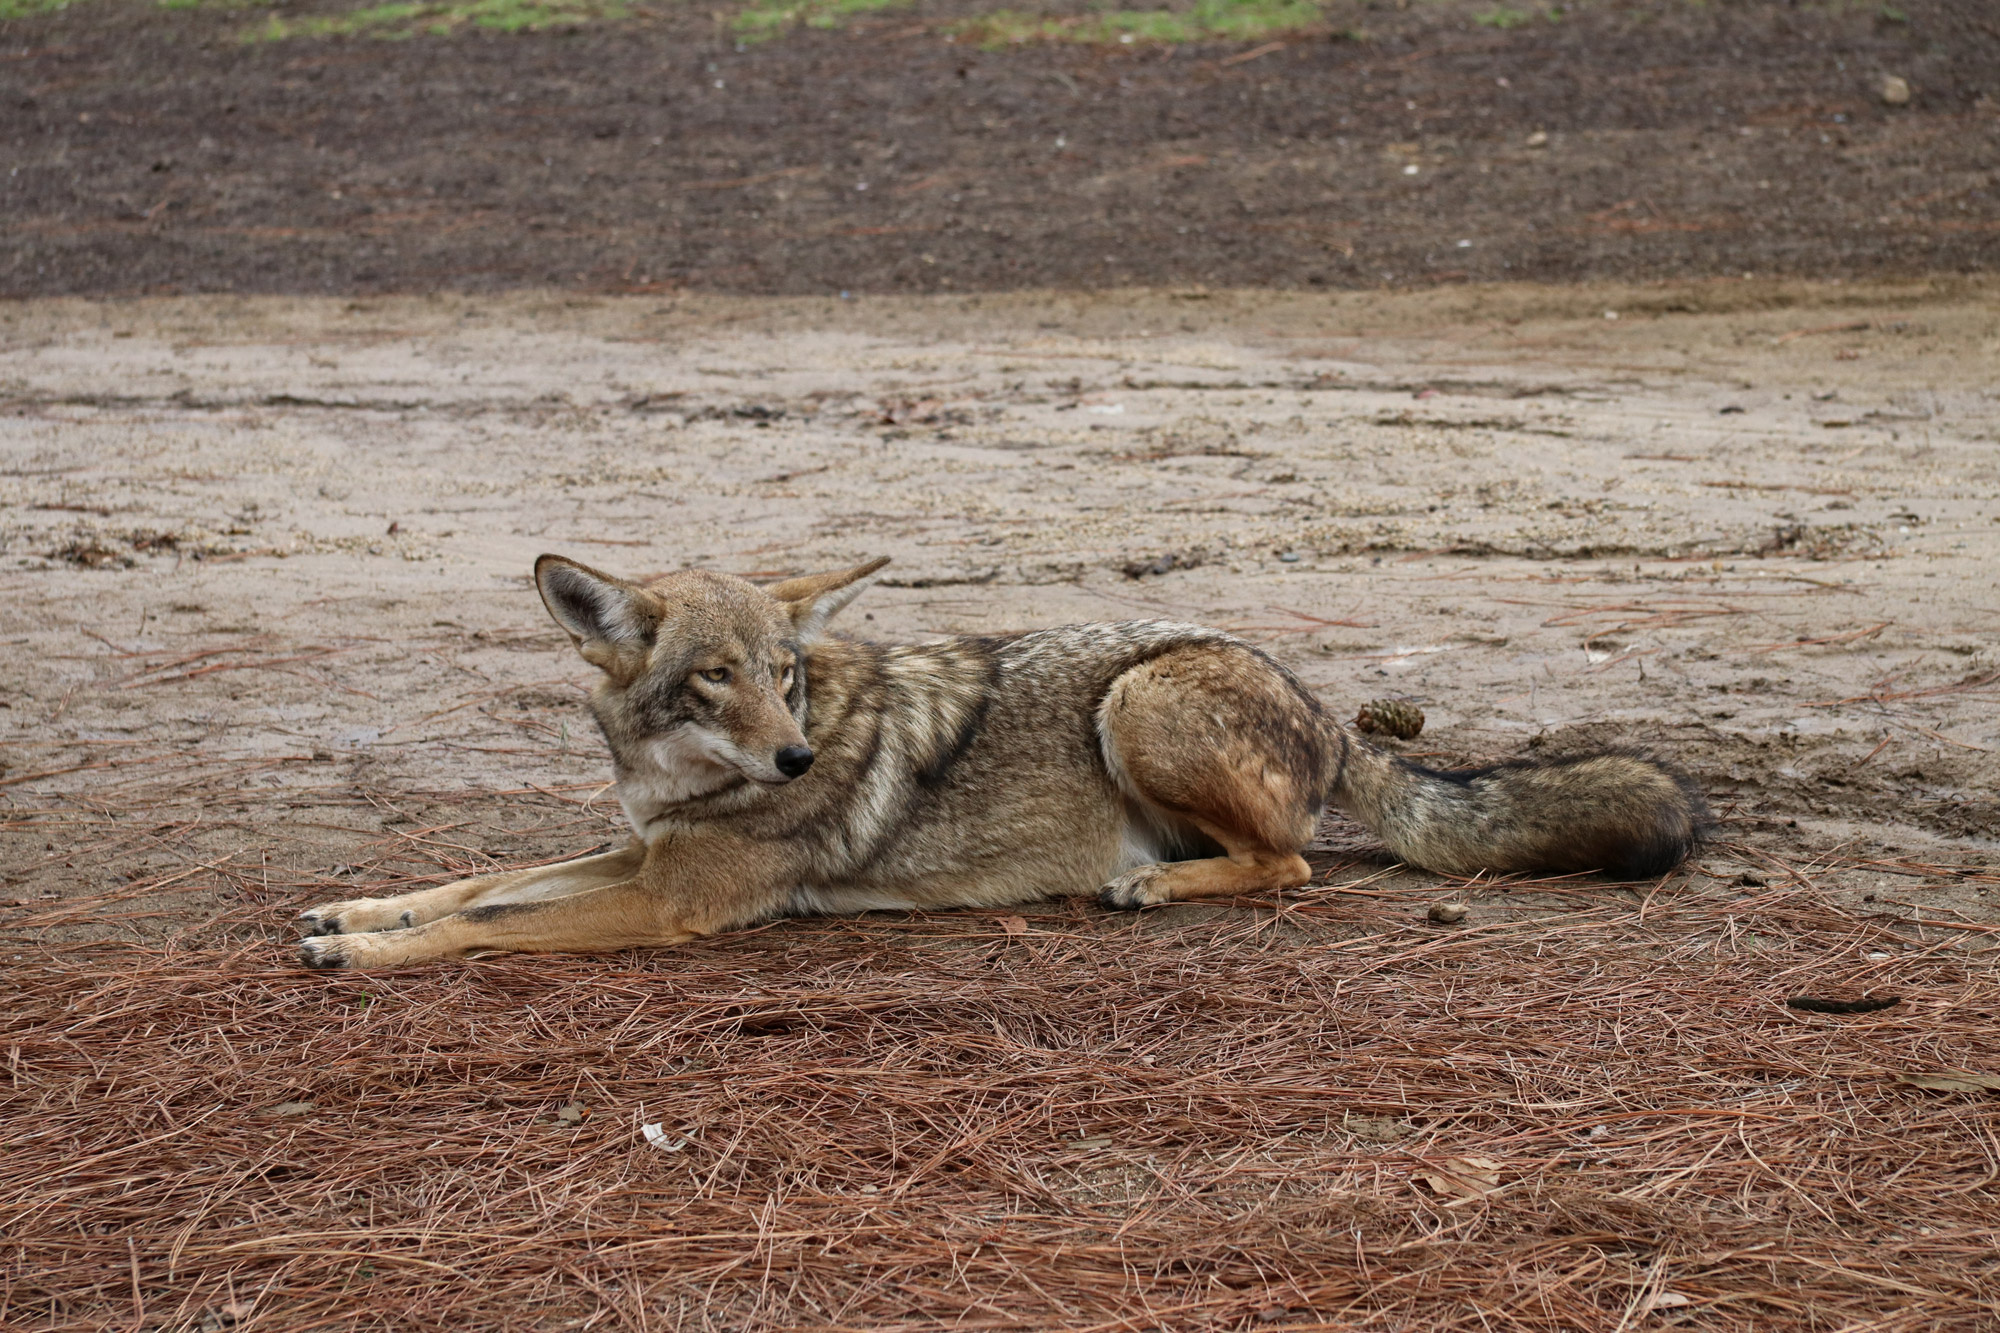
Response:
column 813, row 599
column 607, row 617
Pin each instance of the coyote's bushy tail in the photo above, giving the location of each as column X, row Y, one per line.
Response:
column 1619, row 812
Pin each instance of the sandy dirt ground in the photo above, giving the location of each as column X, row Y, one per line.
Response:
column 267, row 638
column 268, row 634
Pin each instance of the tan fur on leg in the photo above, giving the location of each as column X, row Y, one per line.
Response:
column 619, row 916
column 673, row 891
column 404, row 910
column 1211, row 877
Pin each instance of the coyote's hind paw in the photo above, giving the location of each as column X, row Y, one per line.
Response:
column 1134, row 889
column 351, row 918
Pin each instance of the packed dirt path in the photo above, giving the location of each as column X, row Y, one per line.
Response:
column 268, row 630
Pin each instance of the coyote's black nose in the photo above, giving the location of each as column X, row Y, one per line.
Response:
column 794, row 760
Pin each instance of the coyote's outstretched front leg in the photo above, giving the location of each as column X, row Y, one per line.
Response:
column 361, row 915
column 675, row 890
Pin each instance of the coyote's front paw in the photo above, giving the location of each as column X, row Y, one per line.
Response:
column 383, row 948
column 1134, row 889
column 327, row 951
column 352, row 918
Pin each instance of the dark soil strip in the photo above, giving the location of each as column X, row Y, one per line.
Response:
column 151, row 151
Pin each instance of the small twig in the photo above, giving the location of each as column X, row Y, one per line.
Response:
column 138, row 1298
column 1849, row 637
column 1256, row 53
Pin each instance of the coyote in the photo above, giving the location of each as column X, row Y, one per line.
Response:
column 770, row 769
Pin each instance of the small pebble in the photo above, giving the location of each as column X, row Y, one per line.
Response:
column 1448, row 914
column 1895, row 91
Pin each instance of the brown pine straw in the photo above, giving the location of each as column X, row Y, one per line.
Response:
column 1193, row 1120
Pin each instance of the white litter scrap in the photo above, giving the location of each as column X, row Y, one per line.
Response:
column 665, row 1142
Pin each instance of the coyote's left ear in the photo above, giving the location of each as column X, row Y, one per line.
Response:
column 812, row 599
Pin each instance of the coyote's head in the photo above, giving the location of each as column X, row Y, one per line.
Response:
column 704, row 674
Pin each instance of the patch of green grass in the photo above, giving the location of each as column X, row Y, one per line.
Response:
column 407, row 18
column 766, row 19
column 402, row 19
column 22, row 9
column 1500, row 16
column 1205, row 20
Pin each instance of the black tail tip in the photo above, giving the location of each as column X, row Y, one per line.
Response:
column 1680, row 823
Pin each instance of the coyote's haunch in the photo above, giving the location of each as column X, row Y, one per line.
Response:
column 770, row 769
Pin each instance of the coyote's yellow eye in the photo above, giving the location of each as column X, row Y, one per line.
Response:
column 715, row 675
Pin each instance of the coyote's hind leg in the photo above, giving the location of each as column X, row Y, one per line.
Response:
column 363, row 915
column 1216, row 737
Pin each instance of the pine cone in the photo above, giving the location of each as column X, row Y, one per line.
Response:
column 1391, row 717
